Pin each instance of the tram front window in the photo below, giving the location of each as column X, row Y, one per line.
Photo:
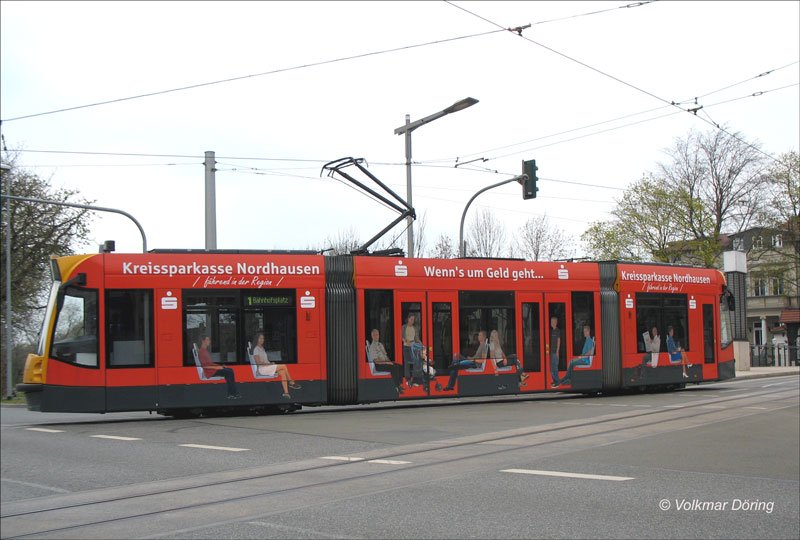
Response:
column 75, row 332
column 726, row 324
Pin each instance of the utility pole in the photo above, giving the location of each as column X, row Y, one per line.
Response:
column 211, row 201
column 9, row 341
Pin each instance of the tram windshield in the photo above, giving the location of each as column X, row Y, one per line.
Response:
column 726, row 323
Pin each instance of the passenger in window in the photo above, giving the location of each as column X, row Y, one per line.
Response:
column 500, row 360
column 652, row 346
column 428, row 371
column 585, row 359
column 468, row 362
column 676, row 352
column 379, row 356
column 555, row 349
column 411, row 365
column 265, row 367
column 210, row 369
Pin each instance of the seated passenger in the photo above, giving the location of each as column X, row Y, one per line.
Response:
column 383, row 363
column 428, row 370
column 462, row 362
column 265, row 367
column 500, row 360
column 584, row 359
column 211, row 369
column 676, row 353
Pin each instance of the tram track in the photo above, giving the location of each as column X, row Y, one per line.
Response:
column 313, row 479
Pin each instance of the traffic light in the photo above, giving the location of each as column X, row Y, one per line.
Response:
column 529, row 188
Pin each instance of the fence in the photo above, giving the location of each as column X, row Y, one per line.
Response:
column 774, row 355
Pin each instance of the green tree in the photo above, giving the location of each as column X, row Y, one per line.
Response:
column 38, row 230
column 680, row 213
column 780, row 255
column 644, row 226
column 714, row 178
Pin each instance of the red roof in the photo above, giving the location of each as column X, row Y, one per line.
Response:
column 791, row 315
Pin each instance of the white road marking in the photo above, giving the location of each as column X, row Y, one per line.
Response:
column 569, row 475
column 674, row 406
column 343, row 458
column 31, row 484
column 757, row 408
column 389, row 461
column 45, row 430
column 207, row 447
column 115, row 437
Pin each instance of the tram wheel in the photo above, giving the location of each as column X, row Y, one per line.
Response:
column 182, row 414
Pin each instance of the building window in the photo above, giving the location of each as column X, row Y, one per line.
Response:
column 777, row 241
column 776, row 286
column 758, row 242
column 738, row 244
column 759, row 287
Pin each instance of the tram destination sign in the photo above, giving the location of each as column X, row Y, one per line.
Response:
column 269, row 301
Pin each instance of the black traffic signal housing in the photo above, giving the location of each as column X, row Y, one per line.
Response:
column 529, row 188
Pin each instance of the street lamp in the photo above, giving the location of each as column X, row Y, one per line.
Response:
column 407, row 128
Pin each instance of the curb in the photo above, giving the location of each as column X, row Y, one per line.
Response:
column 764, row 375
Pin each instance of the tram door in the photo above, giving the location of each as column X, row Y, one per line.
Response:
column 557, row 328
column 531, row 328
column 709, row 342
column 434, row 325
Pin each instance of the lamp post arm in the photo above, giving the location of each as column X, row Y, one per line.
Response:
column 461, row 250
column 88, row 207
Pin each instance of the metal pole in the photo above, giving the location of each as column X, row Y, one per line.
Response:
column 461, row 248
column 9, row 311
column 409, row 219
column 88, row 207
column 211, row 202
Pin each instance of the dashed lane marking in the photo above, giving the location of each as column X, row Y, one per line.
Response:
column 343, row 458
column 116, row 437
column 45, row 430
column 569, row 475
column 208, row 447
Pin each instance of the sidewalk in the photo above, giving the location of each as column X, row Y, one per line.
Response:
column 760, row 372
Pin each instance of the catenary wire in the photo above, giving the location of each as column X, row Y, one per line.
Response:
column 250, row 76
column 633, row 5
column 563, row 55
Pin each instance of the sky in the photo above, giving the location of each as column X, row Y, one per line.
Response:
column 595, row 92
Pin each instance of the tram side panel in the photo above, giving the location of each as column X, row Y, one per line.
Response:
column 669, row 324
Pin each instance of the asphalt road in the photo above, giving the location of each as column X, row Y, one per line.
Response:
column 712, row 461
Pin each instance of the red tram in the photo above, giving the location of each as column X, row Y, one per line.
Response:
column 121, row 330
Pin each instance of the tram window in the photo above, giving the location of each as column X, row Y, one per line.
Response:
column 379, row 315
column 75, row 332
column 487, row 311
column 582, row 315
column 531, row 337
column 662, row 311
column 274, row 314
column 214, row 315
column 442, row 315
column 726, row 323
column 129, row 328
